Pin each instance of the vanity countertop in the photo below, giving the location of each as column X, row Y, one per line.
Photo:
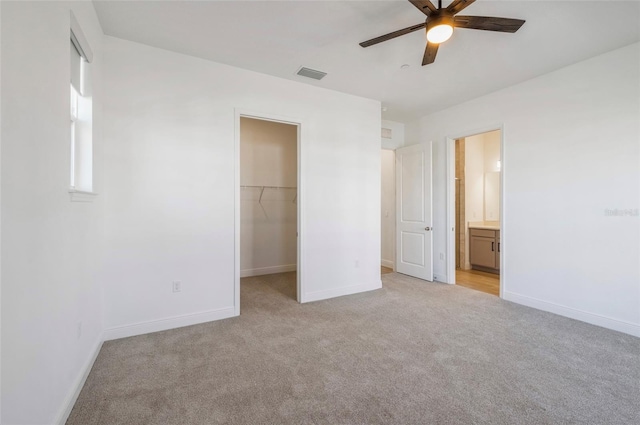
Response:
column 487, row 225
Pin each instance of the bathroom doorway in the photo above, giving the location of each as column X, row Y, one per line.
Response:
column 476, row 220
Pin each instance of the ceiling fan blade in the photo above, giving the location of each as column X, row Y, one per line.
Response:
column 457, row 6
column 430, row 53
column 488, row 23
column 393, row 35
column 425, row 6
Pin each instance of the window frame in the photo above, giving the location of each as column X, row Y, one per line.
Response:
column 81, row 114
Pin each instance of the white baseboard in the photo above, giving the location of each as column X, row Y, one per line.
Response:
column 71, row 398
column 584, row 316
column 268, row 270
column 388, row 263
column 169, row 323
column 339, row 292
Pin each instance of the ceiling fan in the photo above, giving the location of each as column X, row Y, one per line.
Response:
column 441, row 21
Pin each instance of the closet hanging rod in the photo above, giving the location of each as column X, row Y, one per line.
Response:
column 269, row 187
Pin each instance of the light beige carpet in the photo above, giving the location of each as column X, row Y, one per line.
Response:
column 413, row 352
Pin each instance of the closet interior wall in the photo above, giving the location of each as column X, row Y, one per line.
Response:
column 268, row 189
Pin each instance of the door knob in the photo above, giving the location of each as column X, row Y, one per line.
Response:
column 427, row 228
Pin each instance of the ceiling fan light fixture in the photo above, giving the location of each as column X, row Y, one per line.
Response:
column 439, row 29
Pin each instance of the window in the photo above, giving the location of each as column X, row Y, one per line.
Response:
column 81, row 117
column 76, row 68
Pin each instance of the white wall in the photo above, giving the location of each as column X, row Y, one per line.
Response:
column 50, row 246
column 268, row 157
column 170, row 184
column 474, row 187
column 492, row 176
column 570, row 152
column 474, row 178
column 482, row 152
column 397, row 135
column 491, row 152
column 388, row 210
column 0, row 215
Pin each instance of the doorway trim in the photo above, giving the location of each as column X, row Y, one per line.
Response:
column 240, row 113
column 451, row 200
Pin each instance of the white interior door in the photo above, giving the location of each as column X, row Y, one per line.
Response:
column 414, row 236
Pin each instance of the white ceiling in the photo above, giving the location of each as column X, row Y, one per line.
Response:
column 277, row 37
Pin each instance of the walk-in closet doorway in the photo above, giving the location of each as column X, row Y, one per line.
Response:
column 267, row 226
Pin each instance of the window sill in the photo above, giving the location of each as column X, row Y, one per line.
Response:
column 81, row 195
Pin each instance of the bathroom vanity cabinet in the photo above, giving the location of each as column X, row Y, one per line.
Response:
column 484, row 249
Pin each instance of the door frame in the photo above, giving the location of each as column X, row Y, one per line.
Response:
column 394, row 259
column 265, row 116
column 451, row 200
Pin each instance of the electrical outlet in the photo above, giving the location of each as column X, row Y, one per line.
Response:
column 176, row 286
column 357, row 264
column 79, row 330
column 442, row 256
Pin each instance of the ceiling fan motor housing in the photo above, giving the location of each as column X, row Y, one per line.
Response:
column 439, row 27
column 441, row 18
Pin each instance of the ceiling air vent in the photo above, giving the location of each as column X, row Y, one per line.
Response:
column 311, row 73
